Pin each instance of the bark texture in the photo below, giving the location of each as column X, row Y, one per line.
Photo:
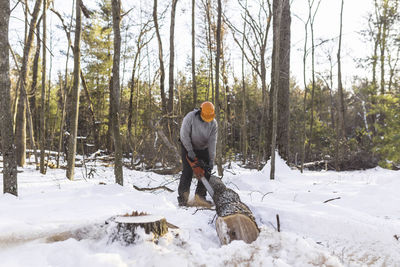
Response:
column 282, row 134
column 276, row 74
column 115, row 93
column 43, row 94
column 236, row 221
column 171, row 58
column 282, row 138
column 340, row 130
column 127, row 227
column 217, row 100
column 74, row 96
column 6, row 127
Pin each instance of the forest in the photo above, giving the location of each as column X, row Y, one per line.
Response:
column 117, row 88
column 306, row 110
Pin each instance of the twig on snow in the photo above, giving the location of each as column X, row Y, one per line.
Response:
column 201, row 209
column 331, row 199
column 262, row 199
column 278, row 223
column 153, row 188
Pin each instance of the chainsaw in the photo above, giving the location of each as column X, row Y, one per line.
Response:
column 199, row 168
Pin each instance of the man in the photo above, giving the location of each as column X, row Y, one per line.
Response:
column 198, row 138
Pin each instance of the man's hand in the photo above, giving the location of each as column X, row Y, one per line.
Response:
column 191, row 155
column 210, row 167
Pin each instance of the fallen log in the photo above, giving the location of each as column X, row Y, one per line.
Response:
column 235, row 220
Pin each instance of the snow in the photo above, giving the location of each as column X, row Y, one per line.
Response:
column 138, row 219
column 357, row 227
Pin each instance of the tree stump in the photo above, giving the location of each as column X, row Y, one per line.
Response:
column 235, row 220
column 127, row 226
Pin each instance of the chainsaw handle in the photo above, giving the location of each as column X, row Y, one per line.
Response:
column 198, row 170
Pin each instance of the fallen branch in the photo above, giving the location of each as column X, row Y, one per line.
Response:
column 331, row 199
column 153, row 188
column 198, row 209
column 278, row 224
column 170, row 171
column 262, row 199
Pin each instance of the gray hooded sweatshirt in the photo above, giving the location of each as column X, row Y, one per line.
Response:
column 198, row 134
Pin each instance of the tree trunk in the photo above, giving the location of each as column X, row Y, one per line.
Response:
column 127, row 227
column 63, row 94
column 217, row 100
column 161, row 60
column 243, row 136
column 20, row 128
column 382, row 45
column 340, row 130
column 304, row 132
column 32, row 93
column 282, row 140
column 95, row 125
column 264, row 129
column 74, row 96
column 171, row 59
column 282, row 136
column 194, row 55
column 130, row 108
column 115, row 92
column 28, row 113
column 374, row 91
column 308, row 151
column 7, row 137
column 209, row 46
column 276, row 54
column 43, row 94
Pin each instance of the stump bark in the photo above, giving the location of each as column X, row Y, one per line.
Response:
column 235, row 220
column 127, row 227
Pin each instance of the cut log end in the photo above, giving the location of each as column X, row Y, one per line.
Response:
column 236, row 227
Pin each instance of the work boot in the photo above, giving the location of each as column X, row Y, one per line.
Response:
column 183, row 199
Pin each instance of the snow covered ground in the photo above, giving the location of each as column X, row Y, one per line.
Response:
column 358, row 228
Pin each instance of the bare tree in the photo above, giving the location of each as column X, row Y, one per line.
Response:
column 282, row 134
column 20, row 128
column 311, row 19
column 43, row 93
column 243, row 136
column 34, row 84
column 194, row 55
column 74, row 95
column 6, row 128
column 115, row 92
column 217, row 100
column 304, row 131
column 160, row 58
column 170, row 107
column 254, row 49
column 340, row 130
column 210, row 46
column 141, row 42
column 276, row 75
column 65, row 86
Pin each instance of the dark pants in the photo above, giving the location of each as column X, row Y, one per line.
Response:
column 187, row 173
